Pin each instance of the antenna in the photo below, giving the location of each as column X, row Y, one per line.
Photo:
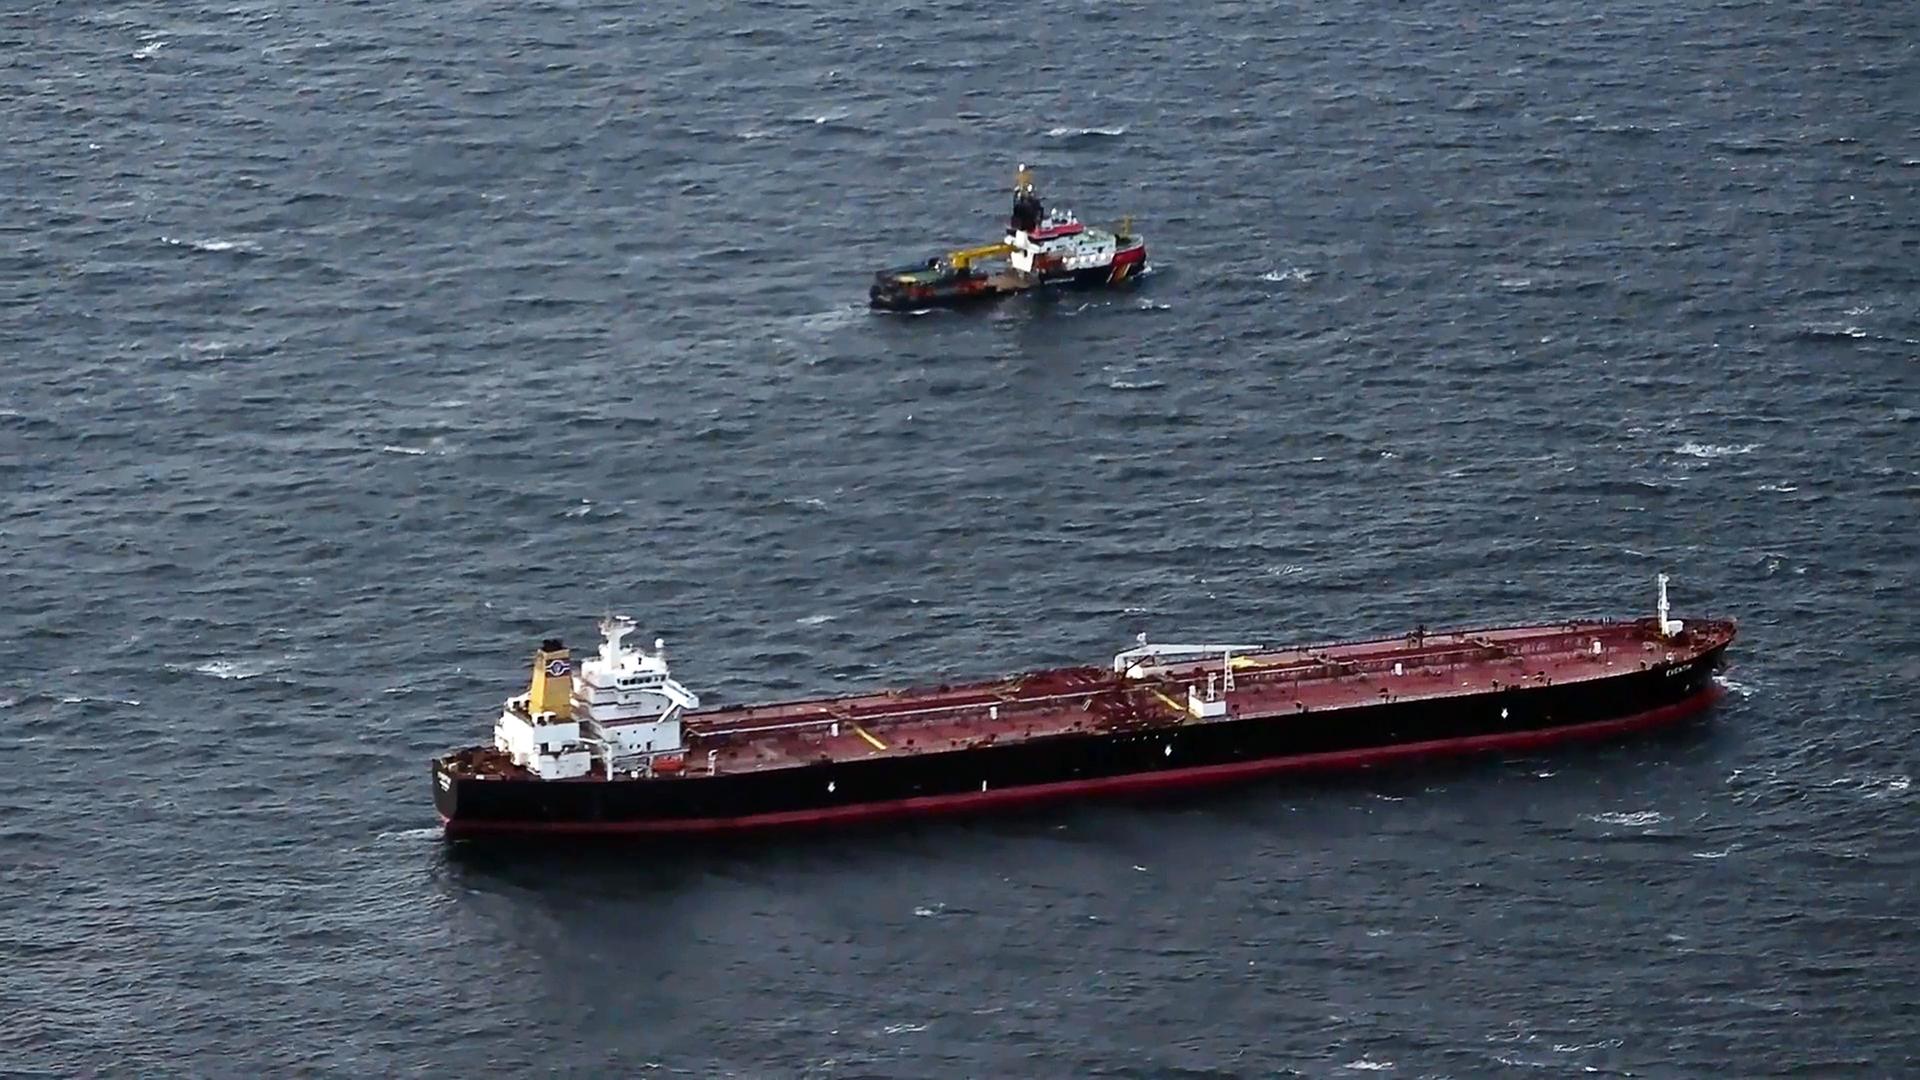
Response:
column 1668, row 627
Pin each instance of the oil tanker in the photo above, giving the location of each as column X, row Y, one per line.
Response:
column 1041, row 247
column 622, row 747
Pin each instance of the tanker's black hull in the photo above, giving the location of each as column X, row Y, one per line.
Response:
column 1065, row 766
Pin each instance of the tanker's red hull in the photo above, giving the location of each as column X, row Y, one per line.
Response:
column 1072, row 732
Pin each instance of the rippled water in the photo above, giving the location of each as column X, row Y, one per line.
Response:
column 351, row 348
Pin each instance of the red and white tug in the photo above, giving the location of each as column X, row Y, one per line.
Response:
column 1040, row 247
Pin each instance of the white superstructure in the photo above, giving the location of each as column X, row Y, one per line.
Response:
column 621, row 715
column 1060, row 244
column 1053, row 243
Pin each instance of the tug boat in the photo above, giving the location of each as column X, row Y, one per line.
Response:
column 625, row 748
column 1042, row 247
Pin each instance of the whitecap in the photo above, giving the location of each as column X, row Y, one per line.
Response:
column 217, row 347
column 1875, row 787
column 1637, row 819
column 145, row 52
column 830, row 319
column 1717, row 854
column 902, row 1029
column 1710, row 450
column 231, row 669
column 424, row 833
column 1740, row 688
column 1778, row 489
column 813, row 620
column 1368, row 1065
column 1145, row 384
column 412, row 451
column 1293, row 273
column 1073, row 132
column 215, row 245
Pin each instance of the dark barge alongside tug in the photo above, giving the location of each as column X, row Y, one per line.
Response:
column 624, row 748
column 1041, row 247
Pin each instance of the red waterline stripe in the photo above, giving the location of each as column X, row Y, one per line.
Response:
column 1195, row 776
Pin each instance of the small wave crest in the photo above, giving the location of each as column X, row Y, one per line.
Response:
column 436, row 446
column 1086, row 132
column 1832, row 331
column 1886, row 786
column 1637, row 819
column 426, row 832
column 1708, row 451
column 222, row 668
column 214, row 245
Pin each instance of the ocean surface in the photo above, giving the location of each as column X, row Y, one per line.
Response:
column 347, row 349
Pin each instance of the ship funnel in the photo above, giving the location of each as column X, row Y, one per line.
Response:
column 552, row 689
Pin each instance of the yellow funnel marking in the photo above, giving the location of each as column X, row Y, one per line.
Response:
column 867, row 735
column 1171, row 704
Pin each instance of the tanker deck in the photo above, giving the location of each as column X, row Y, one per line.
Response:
column 1161, row 715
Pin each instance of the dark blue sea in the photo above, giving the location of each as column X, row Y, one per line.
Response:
column 348, row 349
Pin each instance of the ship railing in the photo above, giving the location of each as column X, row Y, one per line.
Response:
column 884, row 714
column 1465, row 635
